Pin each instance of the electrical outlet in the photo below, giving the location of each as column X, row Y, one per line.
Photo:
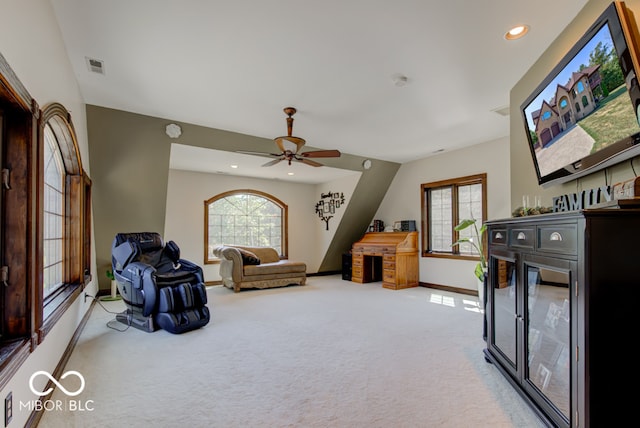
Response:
column 8, row 409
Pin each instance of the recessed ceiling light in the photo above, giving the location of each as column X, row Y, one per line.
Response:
column 234, row 166
column 516, row 32
column 290, row 173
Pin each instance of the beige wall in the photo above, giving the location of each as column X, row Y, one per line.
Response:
column 523, row 176
column 324, row 236
column 402, row 201
column 130, row 156
column 308, row 239
column 31, row 43
column 367, row 197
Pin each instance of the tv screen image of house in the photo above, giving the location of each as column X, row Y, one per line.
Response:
column 583, row 115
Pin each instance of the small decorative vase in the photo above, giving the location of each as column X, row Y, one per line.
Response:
column 482, row 288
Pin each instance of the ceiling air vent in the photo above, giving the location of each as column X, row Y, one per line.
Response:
column 502, row 111
column 95, row 65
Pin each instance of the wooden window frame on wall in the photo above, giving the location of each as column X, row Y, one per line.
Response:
column 24, row 323
column 76, row 226
column 86, row 227
column 455, row 182
column 18, row 246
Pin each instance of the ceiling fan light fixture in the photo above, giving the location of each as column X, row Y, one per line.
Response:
column 291, row 153
column 286, row 144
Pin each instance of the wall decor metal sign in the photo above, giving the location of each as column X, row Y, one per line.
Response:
column 327, row 205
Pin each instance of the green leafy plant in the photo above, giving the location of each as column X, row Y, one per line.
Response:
column 110, row 275
column 477, row 241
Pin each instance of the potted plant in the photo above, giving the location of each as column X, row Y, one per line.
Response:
column 477, row 241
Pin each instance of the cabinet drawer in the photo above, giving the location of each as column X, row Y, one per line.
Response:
column 389, row 276
column 558, row 238
column 356, row 271
column 389, row 265
column 522, row 237
column 375, row 249
column 356, row 260
column 389, row 257
column 498, row 237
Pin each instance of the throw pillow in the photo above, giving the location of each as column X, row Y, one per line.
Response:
column 248, row 258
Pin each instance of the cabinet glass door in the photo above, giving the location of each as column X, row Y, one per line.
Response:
column 548, row 315
column 504, row 333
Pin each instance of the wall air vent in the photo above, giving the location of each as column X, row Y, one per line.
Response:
column 95, row 65
column 502, row 111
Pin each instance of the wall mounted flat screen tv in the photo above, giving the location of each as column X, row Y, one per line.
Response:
column 583, row 117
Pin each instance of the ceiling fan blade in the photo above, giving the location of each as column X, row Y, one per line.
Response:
column 321, row 154
column 273, row 162
column 309, row 162
column 246, row 152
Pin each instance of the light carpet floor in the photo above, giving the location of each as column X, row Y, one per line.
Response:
column 332, row 353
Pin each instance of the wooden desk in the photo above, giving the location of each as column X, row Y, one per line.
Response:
column 388, row 256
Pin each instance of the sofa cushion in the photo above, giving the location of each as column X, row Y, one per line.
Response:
column 248, row 258
column 265, row 254
column 280, row 267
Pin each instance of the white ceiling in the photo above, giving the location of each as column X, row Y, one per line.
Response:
column 199, row 159
column 235, row 64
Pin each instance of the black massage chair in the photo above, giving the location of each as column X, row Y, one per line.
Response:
column 160, row 289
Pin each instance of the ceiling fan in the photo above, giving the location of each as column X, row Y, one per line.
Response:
column 291, row 145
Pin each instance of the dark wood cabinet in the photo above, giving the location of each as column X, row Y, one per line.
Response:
column 562, row 294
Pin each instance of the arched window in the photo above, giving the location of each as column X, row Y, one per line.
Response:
column 64, row 229
column 563, row 103
column 245, row 217
column 45, row 227
column 53, row 211
column 580, row 87
column 585, row 101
